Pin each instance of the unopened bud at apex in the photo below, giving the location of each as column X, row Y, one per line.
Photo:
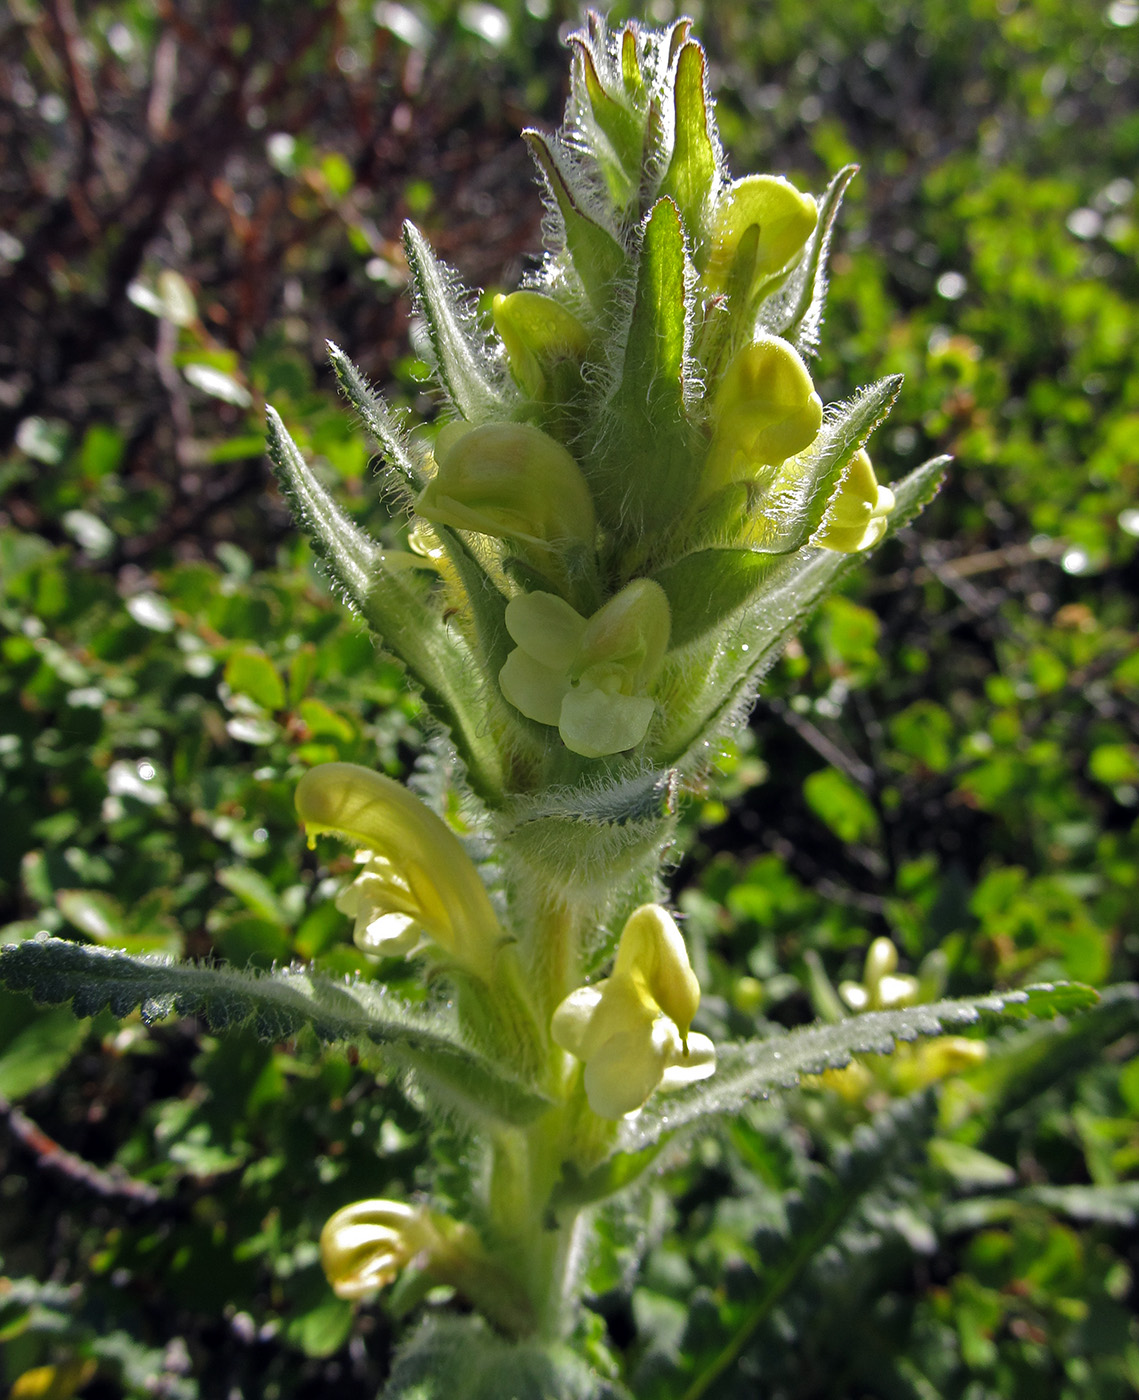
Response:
column 859, row 515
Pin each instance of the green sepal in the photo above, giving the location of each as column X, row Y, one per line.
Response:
column 754, row 1069
column 595, row 253
column 277, row 1005
column 796, row 497
column 795, row 311
column 655, row 482
column 631, row 74
column 692, row 172
column 480, row 390
column 586, row 841
column 462, row 1358
column 705, row 588
column 377, row 419
column 351, row 559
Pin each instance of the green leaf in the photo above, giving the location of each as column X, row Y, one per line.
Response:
column 477, row 384
column 250, row 672
column 753, row 1069
column 809, row 1236
column 93, row 912
column 968, row 1166
column 349, row 556
column 34, row 1056
column 254, row 891
column 217, row 383
column 278, row 1006
column 796, row 310
column 693, row 168
column 839, row 802
column 377, row 418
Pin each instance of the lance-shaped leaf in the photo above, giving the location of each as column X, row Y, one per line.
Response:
column 795, row 499
column 655, row 481
column 811, row 1241
column 754, row 1069
column 796, row 309
column 277, row 1006
column 349, row 556
column 465, row 364
column 377, row 418
column 700, row 704
column 597, row 256
column 691, row 175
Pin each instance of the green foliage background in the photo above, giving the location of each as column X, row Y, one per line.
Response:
column 948, row 756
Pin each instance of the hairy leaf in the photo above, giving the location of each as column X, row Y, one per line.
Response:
column 277, row 1005
column 753, row 1069
column 349, row 556
column 377, row 419
column 479, row 389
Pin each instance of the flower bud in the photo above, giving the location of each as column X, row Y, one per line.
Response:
column 784, row 217
column 652, row 950
column 858, row 516
column 629, row 632
column 511, row 481
column 764, row 411
column 538, row 333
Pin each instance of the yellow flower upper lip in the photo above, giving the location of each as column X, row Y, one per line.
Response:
column 422, row 870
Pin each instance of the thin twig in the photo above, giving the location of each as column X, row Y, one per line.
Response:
column 111, row 1182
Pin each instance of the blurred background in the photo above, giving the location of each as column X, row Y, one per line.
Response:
column 194, row 197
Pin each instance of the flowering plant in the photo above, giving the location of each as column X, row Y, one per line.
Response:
column 637, row 498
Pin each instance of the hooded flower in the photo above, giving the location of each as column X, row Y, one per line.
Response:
column 859, row 515
column 632, row 1030
column 416, row 878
